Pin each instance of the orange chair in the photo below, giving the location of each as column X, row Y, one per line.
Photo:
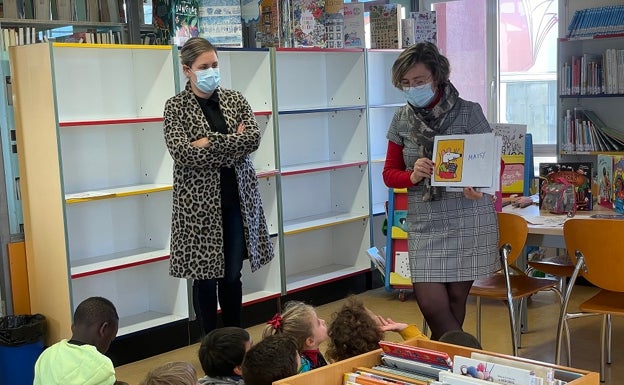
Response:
column 510, row 284
column 593, row 245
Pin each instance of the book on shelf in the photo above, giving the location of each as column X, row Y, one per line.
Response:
column 162, row 20
column 513, row 154
column 385, row 26
column 93, row 10
column 220, row 22
column 250, row 20
column 354, row 32
column 583, row 130
column 270, row 28
column 42, row 9
column 334, row 23
column 419, row 27
column 308, row 23
column 618, row 184
column 497, row 373
column 578, row 174
column 64, row 10
column 185, row 21
column 604, row 180
column 452, row 378
column 11, row 10
column 378, row 260
column 414, row 366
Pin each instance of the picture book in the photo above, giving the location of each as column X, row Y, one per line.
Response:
column 385, row 26
column 308, row 23
column 429, row 370
column 618, row 185
column 465, row 160
column 369, row 372
column 425, row 28
column 401, row 265
column 220, row 22
column 458, row 379
column 496, row 373
column 354, row 33
column 162, row 19
column 270, row 29
column 250, row 17
column 513, row 154
column 547, row 374
column 334, row 23
column 604, row 175
column 578, row 174
column 185, row 21
column 416, row 353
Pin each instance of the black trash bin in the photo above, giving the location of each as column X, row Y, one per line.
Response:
column 21, row 343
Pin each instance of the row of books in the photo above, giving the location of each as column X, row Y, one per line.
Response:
column 298, row 23
column 79, row 10
column 405, row 365
column 583, row 130
column 593, row 74
column 607, row 20
column 29, row 35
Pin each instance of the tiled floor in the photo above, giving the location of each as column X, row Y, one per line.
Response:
column 538, row 343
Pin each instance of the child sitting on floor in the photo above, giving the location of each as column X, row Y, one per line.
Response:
column 172, row 373
column 221, row 355
column 272, row 359
column 300, row 321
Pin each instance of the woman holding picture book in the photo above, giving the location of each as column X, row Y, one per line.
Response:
column 452, row 236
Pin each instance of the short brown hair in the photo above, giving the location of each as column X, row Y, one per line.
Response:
column 427, row 54
column 271, row 359
column 194, row 47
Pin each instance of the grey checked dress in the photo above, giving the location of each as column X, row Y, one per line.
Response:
column 451, row 238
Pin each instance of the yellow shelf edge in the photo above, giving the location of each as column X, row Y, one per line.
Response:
column 111, row 46
column 118, row 195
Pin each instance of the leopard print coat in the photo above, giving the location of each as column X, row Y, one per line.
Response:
column 196, row 231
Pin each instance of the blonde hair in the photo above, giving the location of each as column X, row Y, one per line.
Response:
column 295, row 321
column 172, row 373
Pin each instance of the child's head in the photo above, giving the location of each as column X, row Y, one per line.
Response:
column 353, row 331
column 222, row 351
column 300, row 321
column 95, row 323
column 172, row 373
column 272, row 359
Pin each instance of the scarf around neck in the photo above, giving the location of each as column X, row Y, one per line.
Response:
column 429, row 122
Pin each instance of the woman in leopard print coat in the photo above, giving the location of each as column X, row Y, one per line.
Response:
column 217, row 218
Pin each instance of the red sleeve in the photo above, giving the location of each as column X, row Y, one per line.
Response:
column 394, row 173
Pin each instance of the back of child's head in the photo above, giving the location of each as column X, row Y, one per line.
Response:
column 352, row 331
column 295, row 321
column 272, row 359
column 172, row 373
column 460, row 337
column 222, row 350
column 95, row 322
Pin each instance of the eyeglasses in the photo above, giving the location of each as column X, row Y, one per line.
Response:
column 416, row 82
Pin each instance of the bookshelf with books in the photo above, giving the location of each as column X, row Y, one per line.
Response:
column 96, row 181
column 590, row 85
column 323, row 160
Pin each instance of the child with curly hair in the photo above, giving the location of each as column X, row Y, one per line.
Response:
column 355, row 330
column 300, row 321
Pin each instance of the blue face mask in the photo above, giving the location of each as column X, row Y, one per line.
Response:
column 419, row 96
column 207, row 80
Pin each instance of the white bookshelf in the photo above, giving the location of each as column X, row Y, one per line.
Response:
column 383, row 100
column 97, row 198
column 323, row 154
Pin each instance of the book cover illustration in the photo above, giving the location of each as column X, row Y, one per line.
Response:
column 250, row 17
column 618, row 185
column 270, row 27
column 185, row 21
column 416, row 353
column 308, row 23
column 604, row 176
column 425, row 29
column 497, row 373
column 334, row 23
column 578, row 174
column 354, row 32
column 385, row 26
column 162, row 20
column 513, row 154
column 220, row 22
column 547, row 374
column 464, row 160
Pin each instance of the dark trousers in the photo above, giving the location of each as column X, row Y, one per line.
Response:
column 228, row 289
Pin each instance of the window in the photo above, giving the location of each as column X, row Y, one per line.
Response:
column 517, row 80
